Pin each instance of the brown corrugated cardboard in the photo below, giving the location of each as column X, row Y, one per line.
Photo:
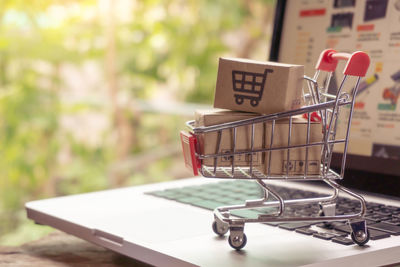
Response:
column 262, row 139
column 297, row 156
column 208, row 141
column 259, row 87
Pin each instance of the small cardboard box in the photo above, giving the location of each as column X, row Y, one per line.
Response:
column 297, row 156
column 259, row 87
column 208, row 141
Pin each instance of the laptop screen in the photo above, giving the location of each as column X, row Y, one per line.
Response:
column 304, row 28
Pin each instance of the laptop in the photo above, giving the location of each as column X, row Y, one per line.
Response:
column 170, row 223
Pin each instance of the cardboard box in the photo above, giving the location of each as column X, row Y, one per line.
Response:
column 262, row 139
column 259, row 87
column 297, row 156
column 208, row 141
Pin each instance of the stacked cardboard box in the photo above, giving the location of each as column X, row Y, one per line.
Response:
column 272, row 163
column 208, row 141
column 277, row 162
column 259, row 87
column 249, row 88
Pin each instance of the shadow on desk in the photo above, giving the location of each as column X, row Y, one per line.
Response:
column 60, row 249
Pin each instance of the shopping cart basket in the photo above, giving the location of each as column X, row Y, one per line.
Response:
column 249, row 85
column 321, row 106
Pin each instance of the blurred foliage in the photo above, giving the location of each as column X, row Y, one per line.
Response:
column 179, row 45
column 59, row 132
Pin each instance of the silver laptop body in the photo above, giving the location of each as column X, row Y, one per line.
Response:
column 163, row 232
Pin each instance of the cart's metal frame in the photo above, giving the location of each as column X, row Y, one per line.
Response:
column 327, row 107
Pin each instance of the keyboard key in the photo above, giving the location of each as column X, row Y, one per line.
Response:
column 375, row 216
column 376, row 234
column 273, row 223
column 383, row 213
column 189, row 200
column 208, row 204
column 385, row 218
column 386, row 210
column 391, row 229
column 343, row 240
column 392, row 208
column 329, row 225
column 267, row 210
column 325, row 236
column 393, row 221
column 251, row 214
column 303, row 213
column 371, row 220
column 294, row 226
column 338, row 233
column 305, row 231
column 372, row 205
column 164, row 194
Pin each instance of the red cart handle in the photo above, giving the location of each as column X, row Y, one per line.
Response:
column 357, row 63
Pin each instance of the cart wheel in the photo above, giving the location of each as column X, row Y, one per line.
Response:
column 239, row 100
column 360, row 238
column 236, row 242
column 254, row 102
column 221, row 230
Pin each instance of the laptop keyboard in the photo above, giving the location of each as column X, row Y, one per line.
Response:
column 383, row 221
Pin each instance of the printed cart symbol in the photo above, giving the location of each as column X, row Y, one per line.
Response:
column 313, row 163
column 300, row 163
column 249, row 85
column 226, row 158
column 239, row 157
column 287, row 165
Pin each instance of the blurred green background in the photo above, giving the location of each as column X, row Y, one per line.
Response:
column 93, row 94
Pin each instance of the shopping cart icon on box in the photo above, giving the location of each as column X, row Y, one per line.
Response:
column 249, row 85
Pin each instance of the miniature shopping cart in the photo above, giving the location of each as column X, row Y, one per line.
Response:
column 327, row 109
column 249, row 85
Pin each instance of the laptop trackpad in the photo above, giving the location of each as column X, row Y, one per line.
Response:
column 129, row 215
column 166, row 223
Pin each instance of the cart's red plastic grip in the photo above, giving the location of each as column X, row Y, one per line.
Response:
column 314, row 116
column 325, row 62
column 188, row 141
column 357, row 63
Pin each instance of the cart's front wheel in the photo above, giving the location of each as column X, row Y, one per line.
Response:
column 360, row 237
column 237, row 242
column 220, row 230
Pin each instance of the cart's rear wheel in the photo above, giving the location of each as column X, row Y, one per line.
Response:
column 237, row 242
column 360, row 237
column 254, row 102
column 220, row 230
column 239, row 100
